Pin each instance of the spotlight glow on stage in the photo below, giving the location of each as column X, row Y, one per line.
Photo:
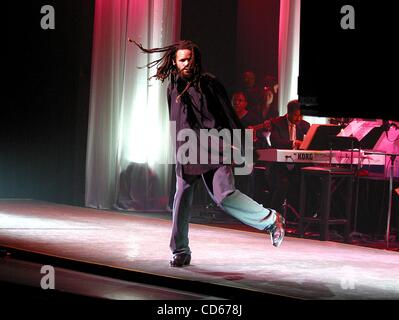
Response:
column 149, row 133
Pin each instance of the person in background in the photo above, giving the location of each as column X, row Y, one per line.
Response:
column 267, row 111
column 287, row 131
column 247, row 115
column 270, row 98
column 253, row 93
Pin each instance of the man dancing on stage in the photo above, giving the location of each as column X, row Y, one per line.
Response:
column 198, row 101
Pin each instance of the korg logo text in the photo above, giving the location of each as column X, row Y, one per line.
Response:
column 305, row 156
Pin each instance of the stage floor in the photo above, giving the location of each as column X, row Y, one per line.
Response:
column 228, row 258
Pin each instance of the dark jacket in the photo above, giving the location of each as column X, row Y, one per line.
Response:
column 207, row 107
column 279, row 136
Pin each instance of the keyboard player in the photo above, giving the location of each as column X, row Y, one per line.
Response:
column 287, row 132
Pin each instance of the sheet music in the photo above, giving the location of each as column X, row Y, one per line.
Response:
column 358, row 129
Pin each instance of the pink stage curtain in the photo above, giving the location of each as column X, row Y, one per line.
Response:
column 128, row 119
column 288, row 52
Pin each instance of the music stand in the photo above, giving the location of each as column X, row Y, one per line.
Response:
column 319, row 136
column 391, row 172
column 324, row 137
column 343, row 143
column 369, row 141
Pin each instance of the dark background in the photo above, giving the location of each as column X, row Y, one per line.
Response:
column 349, row 72
column 44, row 117
column 234, row 36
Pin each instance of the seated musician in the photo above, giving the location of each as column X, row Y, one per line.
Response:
column 287, row 131
column 270, row 97
column 268, row 110
column 248, row 116
column 251, row 118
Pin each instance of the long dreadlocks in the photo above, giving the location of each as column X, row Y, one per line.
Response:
column 166, row 67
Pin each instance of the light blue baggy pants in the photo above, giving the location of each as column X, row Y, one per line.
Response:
column 220, row 186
